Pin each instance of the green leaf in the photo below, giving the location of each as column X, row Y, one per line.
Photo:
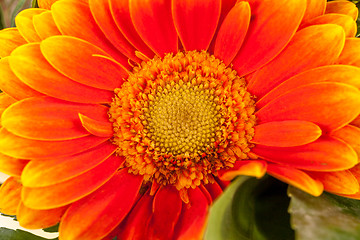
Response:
column 52, row 229
column 326, row 217
column 9, row 234
column 19, row 6
column 251, row 209
column 34, row 4
column 2, row 20
column 221, row 224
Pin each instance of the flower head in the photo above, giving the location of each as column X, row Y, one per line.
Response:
column 129, row 118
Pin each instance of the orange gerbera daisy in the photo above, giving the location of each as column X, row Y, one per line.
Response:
column 129, row 118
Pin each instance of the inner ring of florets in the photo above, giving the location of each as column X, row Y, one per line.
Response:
column 180, row 119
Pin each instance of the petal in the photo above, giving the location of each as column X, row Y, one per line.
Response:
column 12, row 166
column 346, row 22
column 325, row 154
column 24, row 23
column 37, row 219
column 46, row 3
column 134, row 226
column 19, row 147
column 350, row 55
column 214, row 189
column 74, row 18
column 248, row 168
column 152, row 20
column 286, row 133
column 108, row 207
column 72, row 190
column 30, row 66
column 100, row 10
column 56, row 170
column 311, row 47
column 96, row 127
column 10, row 39
column 192, row 221
column 333, row 73
column 296, row 178
column 350, row 135
column 79, row 61
column 5, row 101
column 340, row 182
column 121, row 14
column 314, row 9
column 232, row 32
column 342, row 7
column 166, row 211
column 59, row 119
column 329, row 105
column 10, row 196
column 12, row 85
column 273, row 24
column 191, row 17
column 45, row 26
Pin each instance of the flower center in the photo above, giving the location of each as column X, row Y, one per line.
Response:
column 180, row 119
column 183, row 119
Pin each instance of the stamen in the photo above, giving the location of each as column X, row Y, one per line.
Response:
column 180, row 119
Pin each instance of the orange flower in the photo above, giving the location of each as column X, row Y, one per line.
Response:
column 129, row 118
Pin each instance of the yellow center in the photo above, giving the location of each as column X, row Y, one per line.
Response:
column 181, row 119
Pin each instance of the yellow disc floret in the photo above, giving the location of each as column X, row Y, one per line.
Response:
column 180, row 119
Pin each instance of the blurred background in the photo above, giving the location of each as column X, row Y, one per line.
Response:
column 9, row 9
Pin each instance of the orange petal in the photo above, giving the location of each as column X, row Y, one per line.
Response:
column 296, row 178
column 286, row 133
column 135, row 224
column 107, row 206
column 5, row 101
column 10, row 39
column 12, row 166
column 12, row 85
column 248, row 168
column 121, row 13
column 346, row 22
column 153, row 22
column 329, row 105
column 351, row 135
column 96, row 127
column 342, row 7
column 100, row 10
column 332, row 73
column 192, row 221
column 30, row 66
column 46, row 3
column 166, row 211
column 350, row 55
column 10, row 196
column 232, row 32
column 191, row 17
column 214, row 189
column 314, row 8
column 59, row 120
column 37, row 219
column 340, row 182
column 45, row 26
column 311, row 47
column 56, row 170
column 356, row 173
column 24, row 23
column 274, row 23
column 325, row 154
column 78, row 60
column 72, row 190
column 74, row 18
column 23, row 148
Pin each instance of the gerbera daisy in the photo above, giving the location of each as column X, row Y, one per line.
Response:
column 129, row 118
